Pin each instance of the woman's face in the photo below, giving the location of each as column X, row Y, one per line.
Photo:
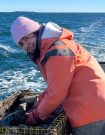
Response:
column 28, row 43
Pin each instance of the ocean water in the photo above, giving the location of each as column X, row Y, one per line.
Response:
column 18, row 73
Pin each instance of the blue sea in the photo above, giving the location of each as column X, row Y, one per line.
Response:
column 18, row 73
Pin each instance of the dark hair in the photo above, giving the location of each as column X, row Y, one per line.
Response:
column 36, row 33
column 36, row 54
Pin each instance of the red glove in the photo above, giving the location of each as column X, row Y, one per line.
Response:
column 37, row 103
column 33, row 118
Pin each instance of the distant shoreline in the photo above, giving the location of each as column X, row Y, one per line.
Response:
column 47, row 12
column 25, row 11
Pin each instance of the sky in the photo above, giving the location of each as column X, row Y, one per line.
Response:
column 52, row 5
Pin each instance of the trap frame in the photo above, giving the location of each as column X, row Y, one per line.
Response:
column 60, row 126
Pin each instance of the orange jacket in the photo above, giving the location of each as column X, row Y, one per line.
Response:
column 74, row 79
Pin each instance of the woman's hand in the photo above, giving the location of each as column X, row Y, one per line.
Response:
column 33, row 118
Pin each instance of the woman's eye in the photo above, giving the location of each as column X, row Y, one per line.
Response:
column 21, row 44
column 26, row 38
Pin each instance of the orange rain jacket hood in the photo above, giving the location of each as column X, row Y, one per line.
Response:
column 74, row 78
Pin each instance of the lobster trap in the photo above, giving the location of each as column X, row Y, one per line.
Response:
column 59, row 126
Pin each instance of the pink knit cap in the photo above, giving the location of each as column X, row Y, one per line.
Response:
column 23, row 26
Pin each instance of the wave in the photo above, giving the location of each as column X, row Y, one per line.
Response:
column 7, row 48
column 92, row 27
column 13, row 81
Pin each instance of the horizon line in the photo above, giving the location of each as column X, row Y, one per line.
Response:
column 50, row 12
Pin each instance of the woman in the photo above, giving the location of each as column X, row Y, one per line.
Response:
column 74, row 77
